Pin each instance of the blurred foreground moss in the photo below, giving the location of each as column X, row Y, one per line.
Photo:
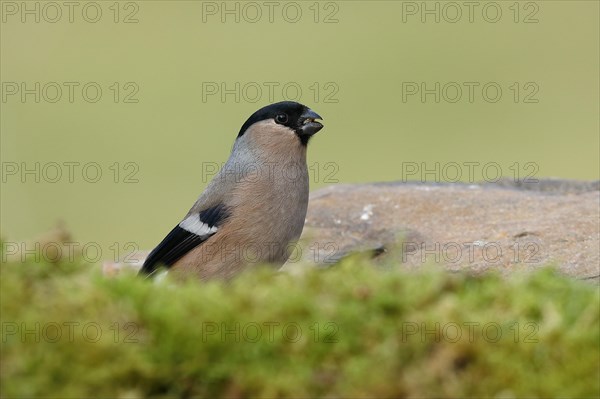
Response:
column 351, row 331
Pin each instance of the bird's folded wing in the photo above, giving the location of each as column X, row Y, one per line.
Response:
column 195, row 229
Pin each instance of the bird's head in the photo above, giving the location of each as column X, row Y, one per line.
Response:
column 284, row 118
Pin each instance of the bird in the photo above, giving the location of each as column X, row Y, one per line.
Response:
column 253, row 210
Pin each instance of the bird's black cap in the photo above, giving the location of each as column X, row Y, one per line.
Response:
column 294, row 115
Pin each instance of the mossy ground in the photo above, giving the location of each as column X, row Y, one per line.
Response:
column 350, row 331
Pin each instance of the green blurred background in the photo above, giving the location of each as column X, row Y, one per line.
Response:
column 359, row 53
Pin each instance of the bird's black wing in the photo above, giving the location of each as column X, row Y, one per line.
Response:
column 188, row 234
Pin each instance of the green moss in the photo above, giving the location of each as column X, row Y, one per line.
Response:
column 350, row 331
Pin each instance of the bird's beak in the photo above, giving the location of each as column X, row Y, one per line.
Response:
column 309, row 125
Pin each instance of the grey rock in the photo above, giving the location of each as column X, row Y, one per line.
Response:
column 502, row 226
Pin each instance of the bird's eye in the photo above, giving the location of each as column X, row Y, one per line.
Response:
column 281, row 118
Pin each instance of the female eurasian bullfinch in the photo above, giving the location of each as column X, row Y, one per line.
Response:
column 254, row 209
